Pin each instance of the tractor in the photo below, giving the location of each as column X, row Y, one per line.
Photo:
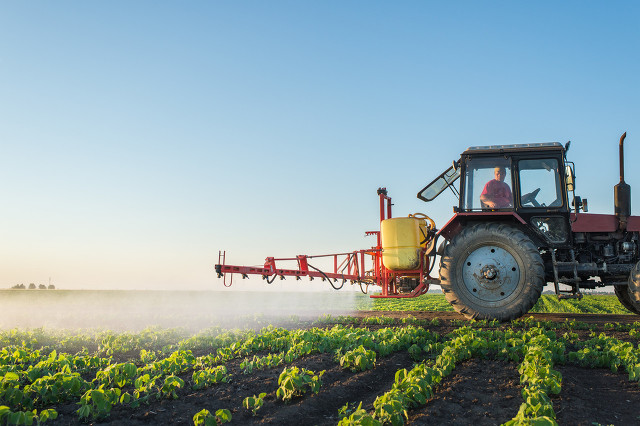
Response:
column 518, row 225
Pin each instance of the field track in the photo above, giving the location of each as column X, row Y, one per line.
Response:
column 562, row 317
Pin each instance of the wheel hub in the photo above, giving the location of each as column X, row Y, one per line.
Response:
column 490, row 273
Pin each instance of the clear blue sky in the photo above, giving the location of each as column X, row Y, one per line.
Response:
column 139, row 138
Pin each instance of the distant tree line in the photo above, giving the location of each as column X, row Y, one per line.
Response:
column 32, row 286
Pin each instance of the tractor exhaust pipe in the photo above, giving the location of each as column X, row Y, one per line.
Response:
column 622, row 193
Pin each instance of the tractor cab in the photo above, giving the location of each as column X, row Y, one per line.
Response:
column 520, row 183
column 532, row 177
column 513, row 177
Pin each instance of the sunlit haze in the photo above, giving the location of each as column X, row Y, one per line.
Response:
column 139, row 138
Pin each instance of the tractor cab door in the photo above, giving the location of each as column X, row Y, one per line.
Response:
column 541, row 198
column 540, row 183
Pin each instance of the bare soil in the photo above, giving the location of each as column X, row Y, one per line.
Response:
column 482, row 392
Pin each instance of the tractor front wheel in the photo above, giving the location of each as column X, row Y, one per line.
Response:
column 492, row 271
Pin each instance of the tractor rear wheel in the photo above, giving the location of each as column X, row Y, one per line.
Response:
column 492, row 271
column 623, row 294
column 633, row 289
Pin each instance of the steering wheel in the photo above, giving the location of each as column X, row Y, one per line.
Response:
column 530, row 198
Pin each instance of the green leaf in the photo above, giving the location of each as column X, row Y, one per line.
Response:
column 48, row 414
column 223, row 415
column 84, row 411
column 4, row 411
column 542, row 421
column 201, row 417
column 97, row 396
column 125, row 398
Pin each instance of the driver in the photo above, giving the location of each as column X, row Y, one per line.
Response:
column 497, row 194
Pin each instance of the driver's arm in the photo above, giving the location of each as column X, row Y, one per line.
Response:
column 486, row 198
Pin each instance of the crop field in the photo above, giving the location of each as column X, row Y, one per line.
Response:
column 345, row 368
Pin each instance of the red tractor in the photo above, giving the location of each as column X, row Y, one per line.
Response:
column 518, row 225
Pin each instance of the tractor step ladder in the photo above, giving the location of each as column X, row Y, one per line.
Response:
column 574, row 282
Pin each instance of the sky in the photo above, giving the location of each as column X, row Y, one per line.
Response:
column 137, row 139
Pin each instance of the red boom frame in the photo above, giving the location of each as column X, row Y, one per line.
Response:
column 346, row 266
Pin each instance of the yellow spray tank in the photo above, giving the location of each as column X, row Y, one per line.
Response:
column 402, row 241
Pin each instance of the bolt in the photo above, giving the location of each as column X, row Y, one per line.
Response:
column 489, row 272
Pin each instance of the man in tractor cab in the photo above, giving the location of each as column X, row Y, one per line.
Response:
column 496, row 193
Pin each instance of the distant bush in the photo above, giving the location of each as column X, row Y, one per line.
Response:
column 32, row 286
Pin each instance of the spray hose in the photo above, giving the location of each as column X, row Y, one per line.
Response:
column 325, row 275
column 428, row 237
column 366, row 289
column 272, row 279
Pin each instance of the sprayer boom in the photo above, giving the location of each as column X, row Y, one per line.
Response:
column 407, row 277
column 346, row 267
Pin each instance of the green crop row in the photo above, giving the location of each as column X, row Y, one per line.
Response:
column 536, row 350
column 34, row 377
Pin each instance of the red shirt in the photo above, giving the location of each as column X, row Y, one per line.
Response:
column 498, row 192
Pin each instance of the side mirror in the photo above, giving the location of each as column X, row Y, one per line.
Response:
column 580, row 204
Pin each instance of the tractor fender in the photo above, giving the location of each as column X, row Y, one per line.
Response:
column 460, row 219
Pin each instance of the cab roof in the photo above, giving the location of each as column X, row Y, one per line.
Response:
column 544, row 146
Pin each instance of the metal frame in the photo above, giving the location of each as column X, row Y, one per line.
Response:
column 348, row 266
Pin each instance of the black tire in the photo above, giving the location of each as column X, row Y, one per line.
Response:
column 492, row 271
column 633, row 289
column 622, row 292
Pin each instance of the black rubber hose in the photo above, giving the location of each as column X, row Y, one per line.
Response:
column 426, row 237
column 272, row 279
column 351, row 256
column 325, row 275
column 348, row 262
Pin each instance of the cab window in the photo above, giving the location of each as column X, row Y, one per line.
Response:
column 439, row 184
column 488, row 184
column 540, row 183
